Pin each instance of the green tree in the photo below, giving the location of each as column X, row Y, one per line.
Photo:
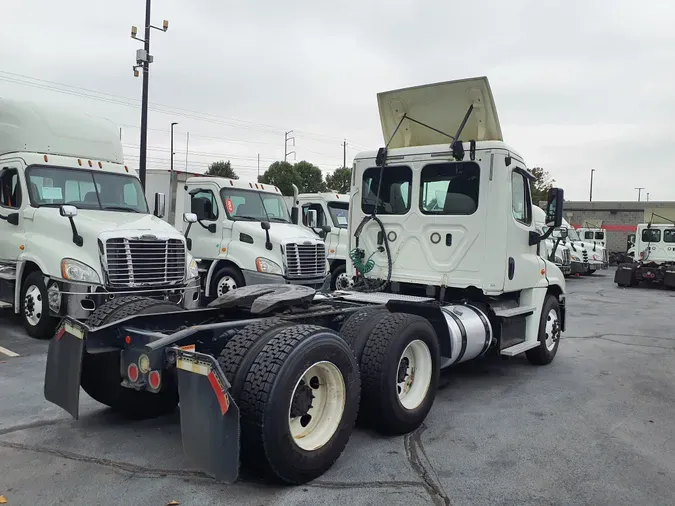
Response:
column 311, row 177
column 541, row 185
column 222, row 169
column 306, row 176
column 340, row 181
column 283, row 175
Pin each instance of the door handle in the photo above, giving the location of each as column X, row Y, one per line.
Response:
column 512, row 267
column 448, row 239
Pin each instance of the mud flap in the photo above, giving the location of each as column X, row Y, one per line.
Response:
column 209, row 418
column 64, row 365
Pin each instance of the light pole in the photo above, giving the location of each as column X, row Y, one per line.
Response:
column 590, row 196
column 172, row 183
column 639, row 189
column 143, row 60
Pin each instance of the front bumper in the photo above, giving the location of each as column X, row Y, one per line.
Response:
column 578, row 267
column 80, row 300
column 565, row 269
column 262, row 278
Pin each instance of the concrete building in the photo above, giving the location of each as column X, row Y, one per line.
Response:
column 618, row 218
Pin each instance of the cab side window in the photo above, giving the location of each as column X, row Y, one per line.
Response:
column 651, row 235
column 204, row 205
column 320, row 215
column 588, row 235
column 520, row 198
column 10, row 188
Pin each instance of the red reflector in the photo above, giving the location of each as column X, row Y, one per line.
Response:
column 132, row 373
column 220, row 393
column 60, row 333
column 155, row 379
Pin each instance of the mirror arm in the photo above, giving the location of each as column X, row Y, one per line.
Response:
column 77, row 238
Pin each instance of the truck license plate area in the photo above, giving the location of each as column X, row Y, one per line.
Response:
column 209, row 417
column 64, row 365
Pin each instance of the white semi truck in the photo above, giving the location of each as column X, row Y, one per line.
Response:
column 593, row 235
column 275, row 376
column 552, row 248
column 329, row 221
column 654, row 261
column 587, row 257
column 75, row 227
column 241, row 233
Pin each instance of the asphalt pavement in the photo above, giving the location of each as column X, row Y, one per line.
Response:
column 594, row 427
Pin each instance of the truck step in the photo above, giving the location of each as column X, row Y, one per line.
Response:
column 515, row 311
column 519, row 348
column 5, row 305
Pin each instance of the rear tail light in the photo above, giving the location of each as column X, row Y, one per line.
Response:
column 155, row 379
column 132, row 373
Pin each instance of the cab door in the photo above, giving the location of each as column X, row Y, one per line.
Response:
column 523, row 265
column 13, row 199
column 207, row 234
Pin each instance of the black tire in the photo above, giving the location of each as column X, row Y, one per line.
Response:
column 243, row 348
column 267, row 444
column 340, row 269
column 231, row 271
column 358, row 326
column 541, row 355
column 381, row 408
column 46, row 324
column 101, row 377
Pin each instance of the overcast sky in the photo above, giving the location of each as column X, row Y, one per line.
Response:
column 577, row 84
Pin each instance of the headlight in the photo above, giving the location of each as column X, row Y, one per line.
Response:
column 576, row 258
column 267, row 266
column 596, row 257
column 193, row 269
column 327, row 266
column 72, row 270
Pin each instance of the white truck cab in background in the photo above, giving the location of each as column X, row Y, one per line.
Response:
column 597, row 235
column 329, row 221
column 654, row 260
column 241, row 234
column 436, row 218
column 587, row 256
column 562, row 257
column 75, row 227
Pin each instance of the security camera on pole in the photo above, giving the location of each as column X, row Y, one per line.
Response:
column 143, row 60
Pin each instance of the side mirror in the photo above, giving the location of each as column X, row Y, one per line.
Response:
column 312, row 218
column 294, row 215
column 13, row 219
column 160, row 205
column 563, row 233
column 68, row 211
column 189, row 217
column 265, row 225
column 554, row 207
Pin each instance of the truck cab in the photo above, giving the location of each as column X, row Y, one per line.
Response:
column 597, row 235
column 552, row 248
column 330, row 223
column 654, row 260
column 587, row 257
column 76, row 228
column 436, row 217
column 242, row 234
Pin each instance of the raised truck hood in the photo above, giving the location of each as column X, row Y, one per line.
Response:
column 443, row 107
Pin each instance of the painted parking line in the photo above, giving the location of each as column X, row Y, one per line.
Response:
column 7, row 352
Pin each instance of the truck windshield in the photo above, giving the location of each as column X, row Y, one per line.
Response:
column 251, row 205
column 571, row 234
column 339, row 212
column 85, row 189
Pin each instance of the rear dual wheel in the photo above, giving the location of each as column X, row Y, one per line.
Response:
column 399, row 357
column 298, row 391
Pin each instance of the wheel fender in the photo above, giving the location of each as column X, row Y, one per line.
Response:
column 215, row 265
column 432, row 313
column 20, row 268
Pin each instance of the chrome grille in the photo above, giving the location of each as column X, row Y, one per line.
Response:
column 567, row 259
column 305, row 260
column 144, row 262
